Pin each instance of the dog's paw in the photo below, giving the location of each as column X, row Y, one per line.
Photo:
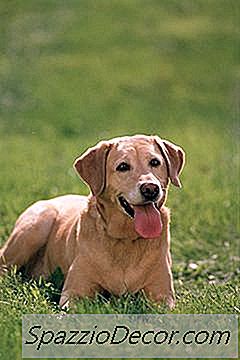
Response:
column 170, row 301
column 64, row 302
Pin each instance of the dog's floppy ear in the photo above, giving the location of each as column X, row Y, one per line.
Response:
column 174, row 157
column 91, row 166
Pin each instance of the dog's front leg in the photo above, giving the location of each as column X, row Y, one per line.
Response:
column 79, row 283
column 159, row 287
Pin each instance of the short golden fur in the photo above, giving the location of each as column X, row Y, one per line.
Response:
column 93, row 239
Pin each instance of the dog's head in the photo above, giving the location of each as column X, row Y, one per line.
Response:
column 133, row 173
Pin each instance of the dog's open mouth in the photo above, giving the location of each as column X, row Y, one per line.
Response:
column 126, row 206
column 147, row 219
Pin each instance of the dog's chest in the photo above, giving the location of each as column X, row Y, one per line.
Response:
column 120, row 281
column 129, row 268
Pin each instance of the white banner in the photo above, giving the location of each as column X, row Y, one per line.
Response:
column 130, row 336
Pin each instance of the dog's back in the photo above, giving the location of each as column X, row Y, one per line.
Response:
column 29, row 238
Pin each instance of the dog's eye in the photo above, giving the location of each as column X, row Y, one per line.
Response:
column 123, row 167
column 154, row 162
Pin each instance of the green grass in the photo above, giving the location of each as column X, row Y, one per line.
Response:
column 74, row 72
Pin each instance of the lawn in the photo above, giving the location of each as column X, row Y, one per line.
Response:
column 74, row 72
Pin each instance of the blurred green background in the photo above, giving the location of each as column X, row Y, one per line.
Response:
column 78, row 71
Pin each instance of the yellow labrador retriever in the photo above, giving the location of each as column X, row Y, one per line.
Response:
column 117, row 238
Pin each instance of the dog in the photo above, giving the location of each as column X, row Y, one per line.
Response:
column 116, row 239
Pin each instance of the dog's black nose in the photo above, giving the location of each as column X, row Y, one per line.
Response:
column 149, row 191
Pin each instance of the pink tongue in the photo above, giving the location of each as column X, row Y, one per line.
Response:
column 147, row 221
